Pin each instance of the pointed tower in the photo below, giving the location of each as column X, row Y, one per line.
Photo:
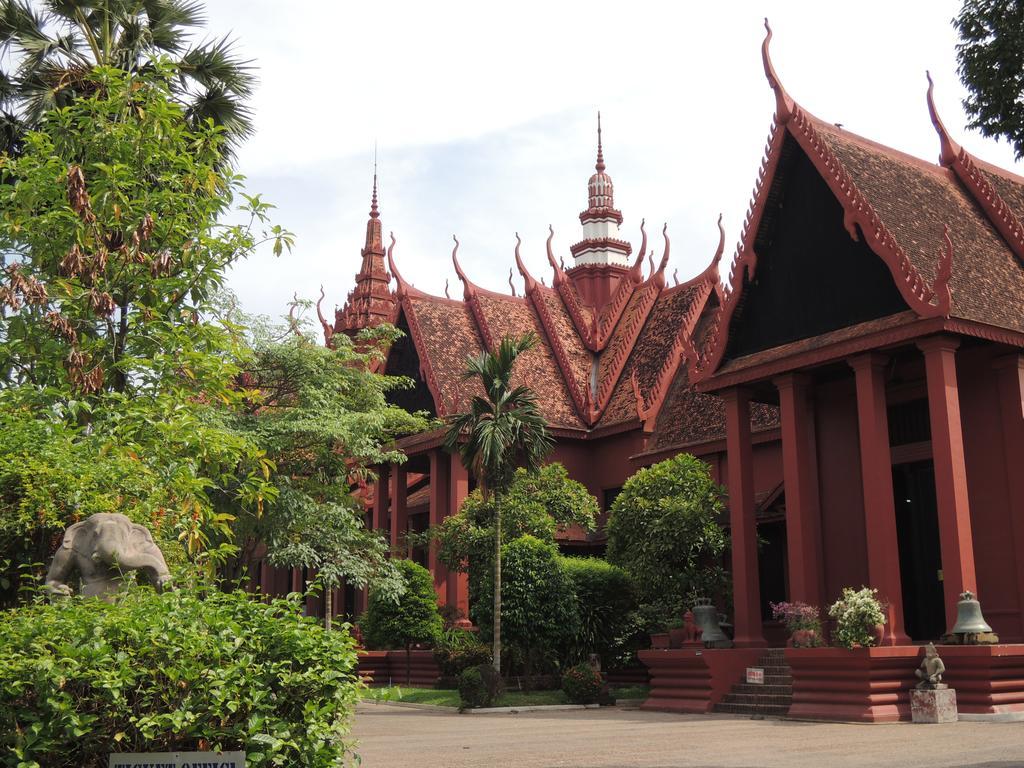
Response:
column 371, row 302
column 602, row 259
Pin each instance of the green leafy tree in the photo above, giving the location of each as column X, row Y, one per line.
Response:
column 322, row 416
column 990, row 58
column 52, row 50
column 113, row 349
column 179, row 671
column 502, row 430
column 664, row 532
column 403, row 620
column 539, row 611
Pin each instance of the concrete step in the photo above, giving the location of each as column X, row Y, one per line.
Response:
column 755, row 700
column 741, row 709
column 767, row 690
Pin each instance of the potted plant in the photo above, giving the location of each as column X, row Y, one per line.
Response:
column 860, row 618
column 660, row 641
column 803, row 622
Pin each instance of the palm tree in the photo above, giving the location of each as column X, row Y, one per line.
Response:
column 502, row 430
column 49, row 48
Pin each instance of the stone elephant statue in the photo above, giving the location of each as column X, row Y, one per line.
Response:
column 101, row 549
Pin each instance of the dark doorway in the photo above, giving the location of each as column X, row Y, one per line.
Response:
column 917, row 525
column 771, row 565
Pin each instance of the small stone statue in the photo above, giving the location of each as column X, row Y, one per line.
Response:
column 101, row 548
column 691, row 632
column 930, row 672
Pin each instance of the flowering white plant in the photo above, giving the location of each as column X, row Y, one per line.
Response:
column 857, row 613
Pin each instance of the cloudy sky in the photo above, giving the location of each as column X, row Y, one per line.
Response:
column 484, row 118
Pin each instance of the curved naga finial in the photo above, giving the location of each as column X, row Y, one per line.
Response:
column 403, row 287
column 721, row 244
column 675, row 276
column 328, row 330
column 528, row 280
column 784, row 105
column 446, row 294
column 950, row 149
column 559, row 274
column 636, row 272
column 650, row 264
column 659, row 276
column 468, row 289
column 510, row 283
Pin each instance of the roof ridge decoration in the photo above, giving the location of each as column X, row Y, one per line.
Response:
column 470, row 295
column 980, row 188
column 570, row 298
column 580, row 398
column 682, row 347
column 858, row 213
column 627, row 285
column 405, row 293
column 630, row 327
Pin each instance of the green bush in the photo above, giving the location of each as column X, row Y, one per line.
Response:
column 857, row 612
column 410, row 619
column 173, row 672
column 607, row 625
column 479, row 686
column 582, row 684
column 664, row 532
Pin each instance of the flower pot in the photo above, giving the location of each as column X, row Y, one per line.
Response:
column 878, row 632
column 676, row 637
column 660, row 641
column 805, row 638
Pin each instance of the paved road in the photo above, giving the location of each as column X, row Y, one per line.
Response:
column 400, row 737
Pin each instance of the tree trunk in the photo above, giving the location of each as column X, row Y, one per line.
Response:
column 496, row 654
column 328, row 606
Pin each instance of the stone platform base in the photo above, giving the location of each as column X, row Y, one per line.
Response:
column 933, row 706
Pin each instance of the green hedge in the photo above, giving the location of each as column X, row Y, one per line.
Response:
column 607, row 623
column 81, row 678
column 410, row 619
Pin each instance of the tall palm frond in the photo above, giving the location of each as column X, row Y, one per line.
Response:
column 503, row 429
column 48, row 49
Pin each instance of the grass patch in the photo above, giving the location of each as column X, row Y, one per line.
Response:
column 445, row 697
column 630, row 691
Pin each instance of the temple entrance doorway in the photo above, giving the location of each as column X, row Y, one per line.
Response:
column 917, row 527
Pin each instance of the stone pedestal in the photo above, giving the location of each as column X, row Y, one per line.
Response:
column 933, row 706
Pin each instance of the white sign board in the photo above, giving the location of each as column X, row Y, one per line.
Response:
column 178, row 760
column 755, row 675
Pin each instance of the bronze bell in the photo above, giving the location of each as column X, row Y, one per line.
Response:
column 969, row 620
column 705, row 616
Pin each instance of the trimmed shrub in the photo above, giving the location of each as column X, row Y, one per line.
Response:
column 480, row 686
column 410, row 619
column 170, row 672
column 582, row 684
column 604, row 599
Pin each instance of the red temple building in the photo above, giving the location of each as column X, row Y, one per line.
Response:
column 857, row 383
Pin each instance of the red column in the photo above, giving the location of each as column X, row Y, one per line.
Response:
column 876, row 478
column 458, row 582
column 1010, row 380
column 955, row 537
column 399, row 513
column 439, row 468
column 800, row 474
column 380, row 498
column 746, row 585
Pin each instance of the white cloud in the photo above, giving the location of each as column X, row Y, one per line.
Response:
column 484, row 115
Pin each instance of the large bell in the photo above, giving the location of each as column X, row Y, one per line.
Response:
column 706, row 617
column 969, row 620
